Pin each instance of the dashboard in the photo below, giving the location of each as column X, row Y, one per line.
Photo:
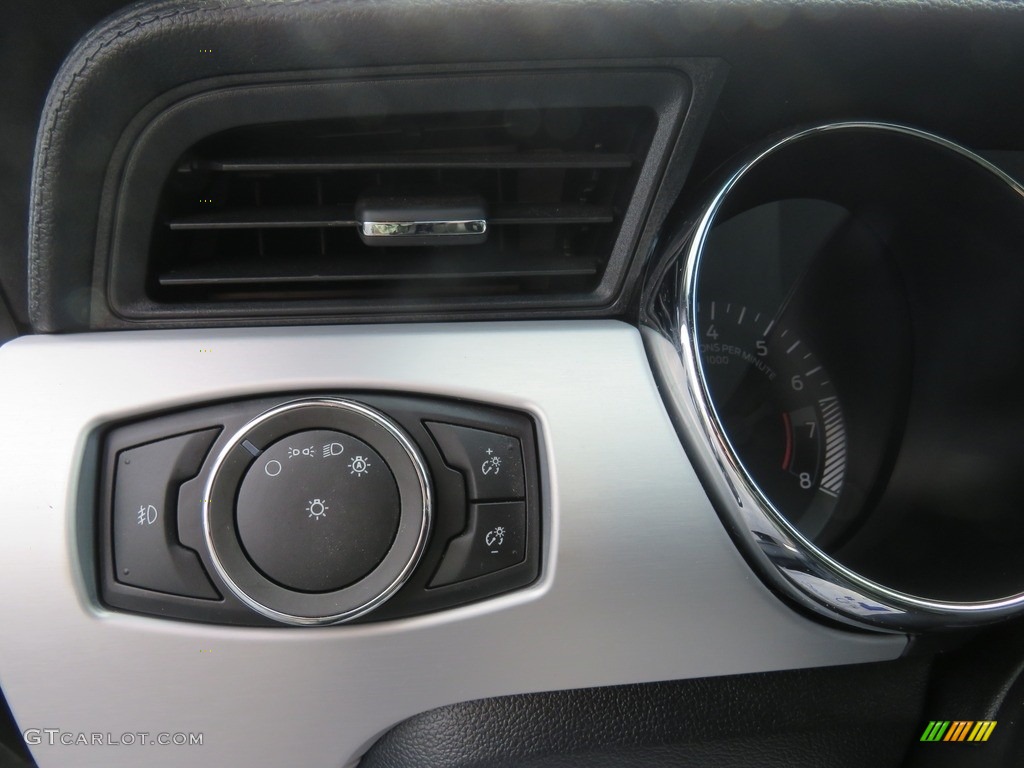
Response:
column 535, row 383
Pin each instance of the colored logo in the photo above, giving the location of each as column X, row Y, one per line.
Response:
column 958, row 730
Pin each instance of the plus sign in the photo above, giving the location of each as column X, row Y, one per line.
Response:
column 489, row 451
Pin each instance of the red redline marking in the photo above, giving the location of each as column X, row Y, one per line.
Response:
column 787, row 425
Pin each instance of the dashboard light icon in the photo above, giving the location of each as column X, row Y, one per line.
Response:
column 317, row 509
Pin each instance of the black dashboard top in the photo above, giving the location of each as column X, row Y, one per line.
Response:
column 952, row 68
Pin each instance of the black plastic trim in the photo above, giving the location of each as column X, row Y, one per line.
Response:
column 410, row 412
column 8, row 328
column 841, row 717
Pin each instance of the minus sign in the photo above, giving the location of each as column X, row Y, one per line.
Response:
column 251, row 448
column 494, row 551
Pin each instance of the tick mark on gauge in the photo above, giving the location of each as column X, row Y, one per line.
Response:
column 712, row 310
column 795, row 345
column 739, row 320
column 787, row 427
column 813, row 371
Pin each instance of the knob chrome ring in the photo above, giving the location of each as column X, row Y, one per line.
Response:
column 273, row 601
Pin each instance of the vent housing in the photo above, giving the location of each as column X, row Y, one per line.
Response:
column 401, row 197
column 268, row 212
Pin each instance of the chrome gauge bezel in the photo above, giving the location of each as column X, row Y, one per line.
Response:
column 791, row 562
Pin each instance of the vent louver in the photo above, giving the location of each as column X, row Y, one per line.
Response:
column 270, row 212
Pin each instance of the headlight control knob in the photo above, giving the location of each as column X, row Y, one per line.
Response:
column 317, row 511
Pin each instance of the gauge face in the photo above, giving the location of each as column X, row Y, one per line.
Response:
column 777, row 408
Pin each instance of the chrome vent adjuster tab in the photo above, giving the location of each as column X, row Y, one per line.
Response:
column 412, row 221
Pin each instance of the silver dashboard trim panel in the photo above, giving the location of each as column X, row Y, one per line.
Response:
column 640, row 580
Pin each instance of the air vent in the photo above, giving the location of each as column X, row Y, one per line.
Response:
column 415, row 196
column 276, row 212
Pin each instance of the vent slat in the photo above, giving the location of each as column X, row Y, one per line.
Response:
column 318, row 271
column 567, row 160
column 337, row 216
column 267, row 211
column 269, row 218
column 552, row 214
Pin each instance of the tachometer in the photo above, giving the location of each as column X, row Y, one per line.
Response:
column 839, row 372
column 778, row 409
